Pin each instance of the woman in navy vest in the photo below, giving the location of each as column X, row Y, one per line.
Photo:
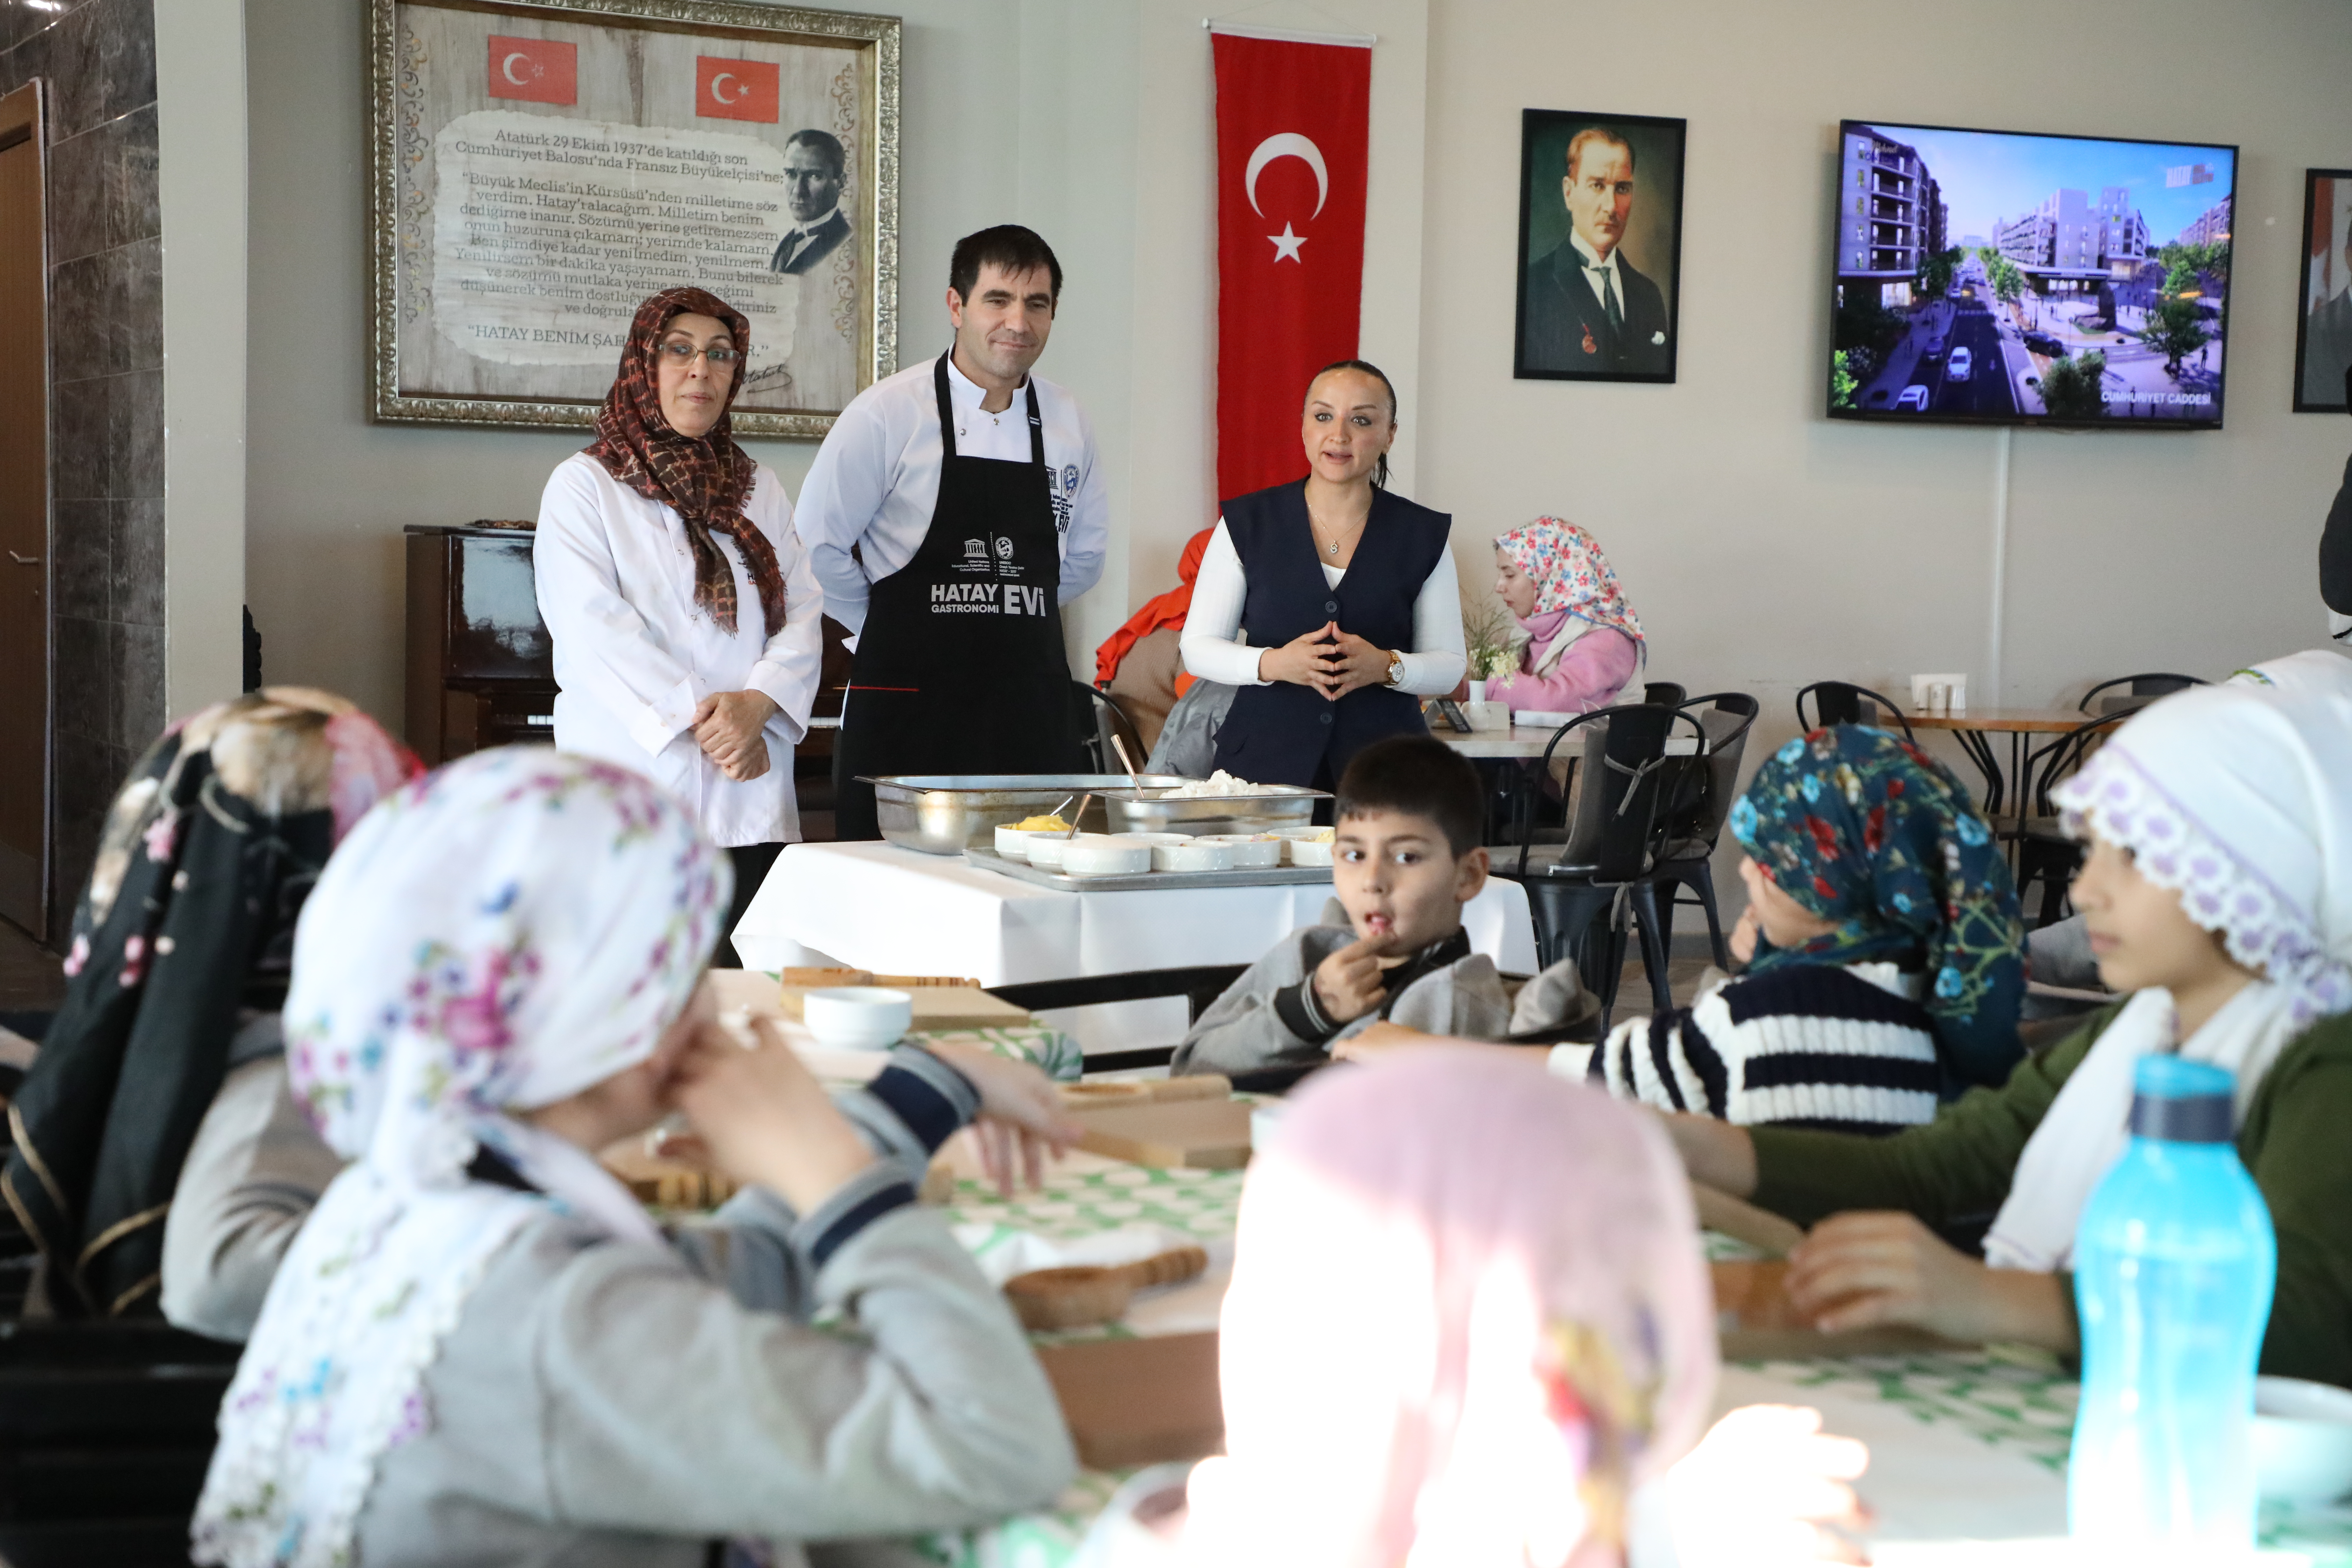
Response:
column 1343, row 596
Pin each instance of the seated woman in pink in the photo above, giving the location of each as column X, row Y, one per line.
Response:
column 1584, row 644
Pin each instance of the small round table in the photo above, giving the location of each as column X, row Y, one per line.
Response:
column 1974, row 728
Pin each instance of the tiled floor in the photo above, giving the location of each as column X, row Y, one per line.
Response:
column 31, row 978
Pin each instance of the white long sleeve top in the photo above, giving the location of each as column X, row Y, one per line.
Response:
column 1213, row 648
column 634, row 655
column 876, row 478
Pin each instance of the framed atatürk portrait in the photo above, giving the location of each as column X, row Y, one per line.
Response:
column 1600, row 257
column 2322, row 331
column 538, row 167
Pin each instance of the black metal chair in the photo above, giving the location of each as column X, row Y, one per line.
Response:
column 1664, row 694
column 105, row 1433
column 2139, row 692
column 1581, row 897
column 1842, row 702
column 1198, row 985
column 1099, row 720
column 1695, row 823
column 2044, row 852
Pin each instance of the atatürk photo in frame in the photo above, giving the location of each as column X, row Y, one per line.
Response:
column 1600, row 257
column 538, row 168
column 2323, row 328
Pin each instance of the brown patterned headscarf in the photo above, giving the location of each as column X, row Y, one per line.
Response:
column 707, row 480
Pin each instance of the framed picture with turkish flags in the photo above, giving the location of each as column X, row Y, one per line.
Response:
column 1601, row 240
column 539, row 167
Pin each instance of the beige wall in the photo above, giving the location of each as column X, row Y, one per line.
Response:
column 1763, row 545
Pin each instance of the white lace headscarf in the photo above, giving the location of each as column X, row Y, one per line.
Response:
column 2240, row 799
column 497, row 936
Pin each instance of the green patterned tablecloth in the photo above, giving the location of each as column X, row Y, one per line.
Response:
column 1056, row 1053
column 2006, row 1403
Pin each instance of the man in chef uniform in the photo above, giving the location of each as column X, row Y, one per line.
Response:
column 969, row 490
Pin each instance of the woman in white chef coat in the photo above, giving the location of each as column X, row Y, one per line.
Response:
column 685, row 617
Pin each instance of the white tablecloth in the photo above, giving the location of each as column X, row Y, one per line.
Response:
column 877, row 906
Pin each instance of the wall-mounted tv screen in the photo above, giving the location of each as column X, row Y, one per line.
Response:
column 2003, row 278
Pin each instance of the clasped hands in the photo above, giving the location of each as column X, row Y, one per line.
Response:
column 1327, row 660
column 727, row 725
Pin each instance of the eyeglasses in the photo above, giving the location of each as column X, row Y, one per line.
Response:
column 682, row 354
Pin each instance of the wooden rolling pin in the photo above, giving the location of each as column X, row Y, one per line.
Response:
column 1073, row 1298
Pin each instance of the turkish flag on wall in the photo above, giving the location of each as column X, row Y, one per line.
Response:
column 1293, row 127
column 537, row 71
column 736, row 90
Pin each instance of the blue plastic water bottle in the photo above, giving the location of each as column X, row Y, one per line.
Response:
column 2174, row 1263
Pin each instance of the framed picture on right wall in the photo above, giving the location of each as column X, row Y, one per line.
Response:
column 2323, row 334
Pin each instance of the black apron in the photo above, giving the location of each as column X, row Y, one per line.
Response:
column 959, row 667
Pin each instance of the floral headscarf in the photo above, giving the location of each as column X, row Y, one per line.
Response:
column 705, row 479
column 1863, row 829
column 504, row 933
column 1571, row 574
column 1512, row 1325
column 186, row 926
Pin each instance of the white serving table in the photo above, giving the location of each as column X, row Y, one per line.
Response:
column 877, row 906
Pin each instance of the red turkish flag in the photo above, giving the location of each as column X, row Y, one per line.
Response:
column 537, row 71
column 737, row 89
column 1293, row 129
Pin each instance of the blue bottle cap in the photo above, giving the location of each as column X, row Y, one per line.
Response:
column 2180, row 1101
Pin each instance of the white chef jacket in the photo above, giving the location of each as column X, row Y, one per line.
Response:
column 876, row 478
column 634, row 654
column 1212, row 650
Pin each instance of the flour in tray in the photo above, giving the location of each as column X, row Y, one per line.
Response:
column 1218, row 782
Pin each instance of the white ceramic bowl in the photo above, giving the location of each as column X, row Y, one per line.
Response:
column 858, row 1017
column 1106, row 854
column 1252, row 852
column 1012, row 843
column 1192, row 855
column 1046, row 849
column 1306, row 852
column 2303, row 1439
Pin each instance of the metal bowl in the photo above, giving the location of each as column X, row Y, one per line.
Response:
column 1143, row 811
column 946, row 813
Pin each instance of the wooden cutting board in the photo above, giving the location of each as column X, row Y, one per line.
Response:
column 1139, row 1402
column 1200, row 1134
column 936, row 1007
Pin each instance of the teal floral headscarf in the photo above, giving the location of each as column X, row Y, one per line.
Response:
column 1863, row 829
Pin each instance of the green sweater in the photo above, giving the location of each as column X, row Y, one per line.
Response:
column 2294, row 1143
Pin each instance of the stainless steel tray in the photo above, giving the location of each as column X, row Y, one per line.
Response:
column 1147, row 881
column 943, row 813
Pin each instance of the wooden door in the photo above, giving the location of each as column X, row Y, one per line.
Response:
column 24, row 518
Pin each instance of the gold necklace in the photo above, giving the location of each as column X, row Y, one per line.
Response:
column 1331, row 547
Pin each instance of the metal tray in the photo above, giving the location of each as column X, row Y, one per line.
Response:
column 943, row 813
column 1147, row 882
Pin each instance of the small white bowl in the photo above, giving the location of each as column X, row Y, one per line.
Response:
column 858, row 1017
column 1012, row 843
column 1105, row 855
column 1046, row 849
column 1307, row 852
column 2301, row 1440
column 1252, row 851
column 1192, row 855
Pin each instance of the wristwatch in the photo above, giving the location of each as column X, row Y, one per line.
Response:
column 1396, row 669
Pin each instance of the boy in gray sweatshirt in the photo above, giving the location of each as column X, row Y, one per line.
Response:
column 1405, row 858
